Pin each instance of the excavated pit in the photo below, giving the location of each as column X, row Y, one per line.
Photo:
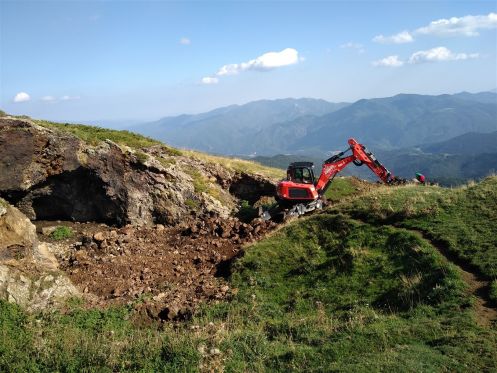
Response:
column 78, row 195
column 251, row 189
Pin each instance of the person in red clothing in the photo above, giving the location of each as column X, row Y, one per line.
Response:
column 421, row 178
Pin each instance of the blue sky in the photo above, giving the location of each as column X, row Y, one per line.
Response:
column 69, row 60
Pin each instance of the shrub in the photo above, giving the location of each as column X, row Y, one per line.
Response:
column 62, row 233
column 192, row 203
column 247, row 212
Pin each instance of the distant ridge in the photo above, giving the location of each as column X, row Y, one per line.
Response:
column 312, row 126
column 232, row 129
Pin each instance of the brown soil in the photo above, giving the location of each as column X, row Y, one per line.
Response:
column 163, row 272
column 486, row 315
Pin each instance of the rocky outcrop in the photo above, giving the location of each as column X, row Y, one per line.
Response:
column 29, row 274
column 49, row 174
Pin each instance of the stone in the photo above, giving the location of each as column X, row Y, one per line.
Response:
column 99, row 237
column 47, row 231
column 34, row 282
column 225, row 288
column 214, row 351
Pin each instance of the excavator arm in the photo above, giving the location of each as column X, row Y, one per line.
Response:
column 360, row 155
column 366, row 157
column 331, row 167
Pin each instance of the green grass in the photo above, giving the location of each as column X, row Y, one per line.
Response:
column 192, row 203
column 341, row 188
column 95, row 135
column 62, row 233
column 141, row 156
column 88, row 340
column 324, row 293
column 463, row 219
column 200, row 182
column 334, row 293
column 493, row 291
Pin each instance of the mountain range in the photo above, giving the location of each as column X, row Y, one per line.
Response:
column 231, row 129
column 452, row 137
column 310, row 126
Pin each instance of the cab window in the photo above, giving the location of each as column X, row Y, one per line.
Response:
column 306, row 176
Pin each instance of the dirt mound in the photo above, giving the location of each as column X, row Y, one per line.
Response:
column 164, row 272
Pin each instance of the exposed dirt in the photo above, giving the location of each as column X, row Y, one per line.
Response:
column 164, row 272
column 486, row 313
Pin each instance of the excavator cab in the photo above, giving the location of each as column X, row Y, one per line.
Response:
column 301, row 173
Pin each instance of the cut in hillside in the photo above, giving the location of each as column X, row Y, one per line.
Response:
column 131, row 217
column 73, row 172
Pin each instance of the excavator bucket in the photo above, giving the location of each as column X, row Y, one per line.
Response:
column 264, row 214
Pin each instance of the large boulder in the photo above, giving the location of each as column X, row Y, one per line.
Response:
column 29, row 274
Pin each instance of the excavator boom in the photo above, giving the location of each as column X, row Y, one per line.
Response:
column 360, row 155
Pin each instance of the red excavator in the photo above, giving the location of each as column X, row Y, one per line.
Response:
column 301, row 193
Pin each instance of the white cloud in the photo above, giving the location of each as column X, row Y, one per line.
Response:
column 21, row 97
column 356, row 46
column 267, row 61
column 210, row 80
column 48, row 99
column 439, row 54
column 390, row 61
column 185, row 41
column 52, row 99
column 455, row 26
column 400, row 38
column 69, row 98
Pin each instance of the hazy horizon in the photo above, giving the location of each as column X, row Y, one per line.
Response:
column 121, row 61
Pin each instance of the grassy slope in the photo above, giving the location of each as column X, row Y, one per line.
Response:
column 94, row 135
column 324, row 293
column 463, row 219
